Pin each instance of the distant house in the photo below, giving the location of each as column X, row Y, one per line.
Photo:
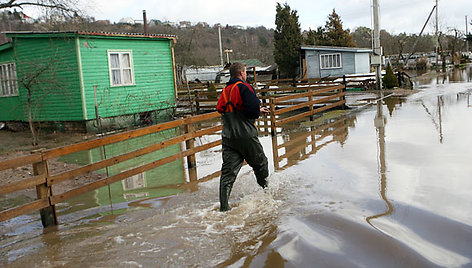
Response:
column 263, row 72
column 127, row 20
column 201, row 73
column 26, row 18
column 185, row 24
column 121, row 77
column 323, row 61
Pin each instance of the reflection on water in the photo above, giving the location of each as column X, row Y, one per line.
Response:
column 456, row 75
column 379, row 123
column 149, row 184
column 290, row 148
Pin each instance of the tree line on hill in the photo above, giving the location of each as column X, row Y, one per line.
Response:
column 198, row 45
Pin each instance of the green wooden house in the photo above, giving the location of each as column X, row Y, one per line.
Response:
column 76, row 77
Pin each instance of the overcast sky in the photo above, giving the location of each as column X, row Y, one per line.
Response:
column 396, row 16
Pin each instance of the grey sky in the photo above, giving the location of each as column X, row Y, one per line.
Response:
column 397, row 16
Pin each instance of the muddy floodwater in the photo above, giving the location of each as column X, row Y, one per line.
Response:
column 385, row 184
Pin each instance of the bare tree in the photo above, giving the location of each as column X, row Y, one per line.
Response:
column 65, row 7
column 41, row 80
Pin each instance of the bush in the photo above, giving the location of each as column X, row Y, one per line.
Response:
column 390, row 80
column 422, row 63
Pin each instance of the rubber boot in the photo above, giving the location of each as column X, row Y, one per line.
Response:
column 224, row 197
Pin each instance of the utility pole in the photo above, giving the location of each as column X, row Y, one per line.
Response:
column 227, row 51
column 221, row 48
column 377, row 55
column 437, row 34
column 466, row 35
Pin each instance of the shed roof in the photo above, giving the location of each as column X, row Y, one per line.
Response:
column 98, row 34
column 5, row 46
column 342, row 49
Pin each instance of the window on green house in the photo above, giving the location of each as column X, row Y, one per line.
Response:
column 8, row 80
column 330, row 61
column 121, row 68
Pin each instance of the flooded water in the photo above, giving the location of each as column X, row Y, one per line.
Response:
column 385, row 185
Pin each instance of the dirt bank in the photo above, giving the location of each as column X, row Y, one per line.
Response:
column 17, row 144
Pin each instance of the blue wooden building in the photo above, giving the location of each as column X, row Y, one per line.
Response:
column 324, row 61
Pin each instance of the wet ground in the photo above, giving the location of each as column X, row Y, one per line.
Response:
column 386, row 184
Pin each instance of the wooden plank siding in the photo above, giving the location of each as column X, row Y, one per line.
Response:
column 79, row 65
column 153, row 76
column 57, row 96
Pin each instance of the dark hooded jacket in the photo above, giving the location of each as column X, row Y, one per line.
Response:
column 240, row 107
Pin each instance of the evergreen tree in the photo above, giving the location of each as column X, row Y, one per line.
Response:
column 332, row 34
column 389, row 80
column 315, row 37
column 287, row 40
column 335, row 34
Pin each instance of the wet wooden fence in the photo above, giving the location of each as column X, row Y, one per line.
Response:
column 43, row 180
column 313, row 98
column 304, row 144
column 196, row 98
column 288, row 101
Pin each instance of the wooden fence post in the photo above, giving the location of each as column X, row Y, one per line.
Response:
column 48, row 214
column 190, row 144
column 197, row 103
column 344, row 89
column 275, row 153
column 272, row 116
column 310, row 99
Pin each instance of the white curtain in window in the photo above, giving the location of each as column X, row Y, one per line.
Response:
column 125, row 61
column 114, row 61
column 3, row 80
column 127, row 76
column 116, row 77
column 121, row 69
column 8, row 80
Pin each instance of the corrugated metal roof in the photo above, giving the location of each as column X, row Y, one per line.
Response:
column 329, row 48
column 92, row 33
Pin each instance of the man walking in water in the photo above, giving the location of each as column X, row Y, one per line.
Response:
column 240, row 108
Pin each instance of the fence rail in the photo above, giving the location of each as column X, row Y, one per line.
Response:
column 43, row 180
column 315, row 96
column 202, row 97
column 285, row 102
column 308, row 143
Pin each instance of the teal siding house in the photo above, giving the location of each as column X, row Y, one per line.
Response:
column 75, row 76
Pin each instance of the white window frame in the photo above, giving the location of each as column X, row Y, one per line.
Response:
column 8, row 80
column 134, row 182
column 331, row 61
column 121, row 68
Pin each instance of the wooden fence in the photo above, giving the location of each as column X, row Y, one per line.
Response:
column 196, row 98
column 314, row 99
column 287, row 102
column 43, row 180
column 307, row 143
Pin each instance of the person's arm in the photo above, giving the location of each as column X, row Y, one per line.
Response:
column 251, row 104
